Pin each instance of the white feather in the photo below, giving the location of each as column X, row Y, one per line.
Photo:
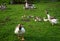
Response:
column 54, row 21
column 16, row 30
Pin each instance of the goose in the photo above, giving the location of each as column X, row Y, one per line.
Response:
column 19, row 30
column 26, row 5
column 29, row 6
column 23, row 16
column 51, row 19
column 3, row 6
column 37, row 19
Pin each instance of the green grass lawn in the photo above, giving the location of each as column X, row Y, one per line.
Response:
column 35, row 31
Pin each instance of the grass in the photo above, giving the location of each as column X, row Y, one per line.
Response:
column 35, row 31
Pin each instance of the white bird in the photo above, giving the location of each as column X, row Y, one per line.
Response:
column 52, row 20
column 37, row 19
column 18, row 31
column 26, row 5
column 29, row 6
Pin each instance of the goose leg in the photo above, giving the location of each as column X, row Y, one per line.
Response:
column 23, row 38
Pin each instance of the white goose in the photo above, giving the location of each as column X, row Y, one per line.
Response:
column 26, row 5
column 29, row 6
column 52, row 20
column 37, row 19
column 19, row 30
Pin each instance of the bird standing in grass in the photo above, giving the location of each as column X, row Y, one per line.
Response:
column 29, row 5
column 3, row 6
column 51, row 19
column 19, row 31
column 26, row 6
column 37, row 19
